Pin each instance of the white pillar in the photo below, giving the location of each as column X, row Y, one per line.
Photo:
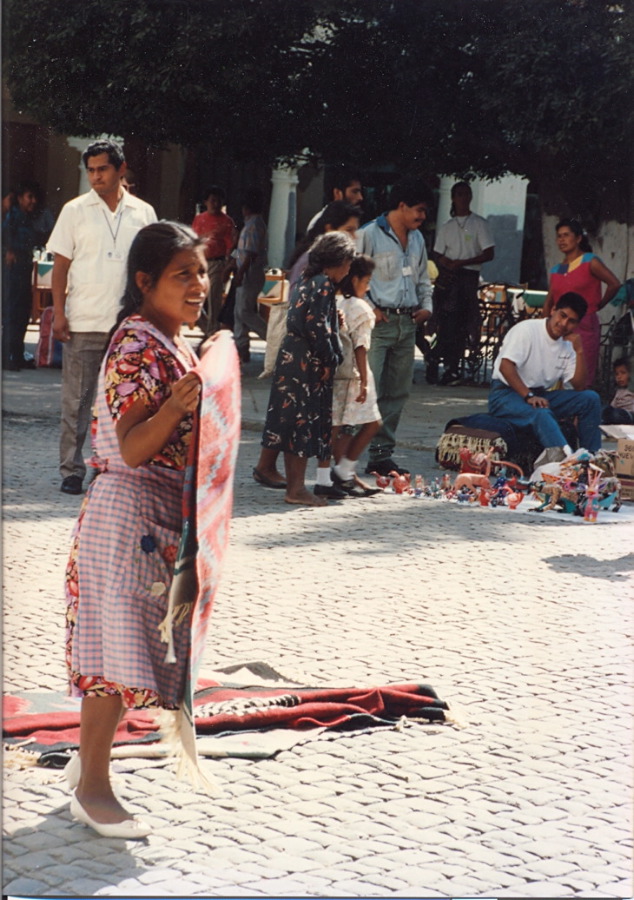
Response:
column 80, row 144
column 282, row 215
column 444, row 199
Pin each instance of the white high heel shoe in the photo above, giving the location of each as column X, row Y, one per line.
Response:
column 130, row 829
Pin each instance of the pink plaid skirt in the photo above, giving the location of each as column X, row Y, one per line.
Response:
column 117, row 585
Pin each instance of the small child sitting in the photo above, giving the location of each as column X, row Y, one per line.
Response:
column 621, row 409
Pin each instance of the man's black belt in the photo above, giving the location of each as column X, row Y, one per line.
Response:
column 399, row 310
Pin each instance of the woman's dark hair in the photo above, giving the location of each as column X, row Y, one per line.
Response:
column 331, row 249
column 360, row 267
column 151, row 252
column 573, row 301
column 335, row 214
column 577, row 229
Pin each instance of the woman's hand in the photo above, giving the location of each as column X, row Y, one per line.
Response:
column 206, row 344
column 185, row 394
column 363, row 394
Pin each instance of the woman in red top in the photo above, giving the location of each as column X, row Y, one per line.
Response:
column 582, row 272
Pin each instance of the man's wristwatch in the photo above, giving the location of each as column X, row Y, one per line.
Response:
column 528, row 396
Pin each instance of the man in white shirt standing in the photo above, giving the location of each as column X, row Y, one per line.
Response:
column 539, row 378
column 462, row 245
column 90, row 240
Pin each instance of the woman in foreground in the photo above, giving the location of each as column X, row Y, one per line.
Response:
column 127, row 535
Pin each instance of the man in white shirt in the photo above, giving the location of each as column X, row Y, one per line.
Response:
column 90, row 240
column 462, row 245
column 538, row 379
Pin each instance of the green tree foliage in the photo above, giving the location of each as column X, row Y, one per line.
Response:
column 539, row 88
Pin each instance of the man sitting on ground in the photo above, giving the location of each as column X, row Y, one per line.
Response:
column 539, row 361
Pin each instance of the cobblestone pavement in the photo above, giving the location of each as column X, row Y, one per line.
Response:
column 522, row 623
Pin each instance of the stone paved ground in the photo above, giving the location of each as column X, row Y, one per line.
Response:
column 522, row 623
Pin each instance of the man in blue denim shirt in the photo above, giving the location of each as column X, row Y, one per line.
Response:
column 400, row 292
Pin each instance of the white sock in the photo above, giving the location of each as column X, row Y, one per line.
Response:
column 323, row 476
column 567, row 449
column 345, row 468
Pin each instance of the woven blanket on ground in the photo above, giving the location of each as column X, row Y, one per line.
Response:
column 47, row 721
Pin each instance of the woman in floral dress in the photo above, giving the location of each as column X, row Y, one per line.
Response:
column 127, row 535
column 299, row 416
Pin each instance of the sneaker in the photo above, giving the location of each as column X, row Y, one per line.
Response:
column 550, row 455
column 72, row 484
column 450, row 379
column 385, row 467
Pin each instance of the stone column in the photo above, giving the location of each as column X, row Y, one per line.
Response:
column 444, row 199
column 80, row 144
column 282, row 215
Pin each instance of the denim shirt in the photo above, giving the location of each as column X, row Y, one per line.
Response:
column 390, row 287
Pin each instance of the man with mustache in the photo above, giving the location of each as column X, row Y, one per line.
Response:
column 400, row 294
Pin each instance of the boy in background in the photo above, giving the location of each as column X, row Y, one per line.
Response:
column 621, row 408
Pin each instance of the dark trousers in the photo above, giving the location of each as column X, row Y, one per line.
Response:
column 457, row 314
column 614, row 415
column 16, row 311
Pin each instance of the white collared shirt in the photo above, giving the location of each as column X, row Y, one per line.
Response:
column 97, row 242
column 464, row 237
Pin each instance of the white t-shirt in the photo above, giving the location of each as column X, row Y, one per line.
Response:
column 540, row 360
column 464, row 237
column 97, row 242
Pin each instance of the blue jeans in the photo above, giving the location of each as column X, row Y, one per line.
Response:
column 584, row 405
column 391, row 358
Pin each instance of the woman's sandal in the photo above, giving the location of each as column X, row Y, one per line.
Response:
column 267, row 482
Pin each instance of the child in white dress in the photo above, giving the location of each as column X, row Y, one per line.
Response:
column 354, row 396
